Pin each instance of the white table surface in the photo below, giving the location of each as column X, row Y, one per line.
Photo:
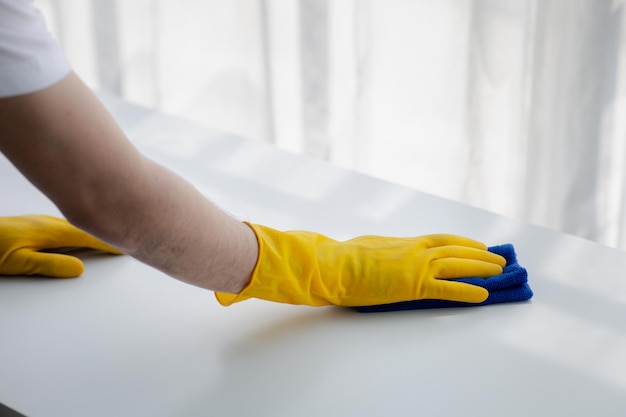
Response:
column 125, row 340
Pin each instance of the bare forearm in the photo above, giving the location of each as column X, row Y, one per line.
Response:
column 171, row 226
column 65, row 142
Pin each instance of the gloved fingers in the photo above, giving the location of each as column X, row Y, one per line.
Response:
column 68, row 235
column 448, row 268
column 29, row 262
column 40, row 231
column 463, row 252
column 456, row 291
column 82, row 239
column 442, row 239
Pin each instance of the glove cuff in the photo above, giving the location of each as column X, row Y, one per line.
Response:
column 286, row 271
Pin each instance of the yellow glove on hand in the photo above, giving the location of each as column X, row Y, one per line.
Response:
column 300, row 267
column 22, row 237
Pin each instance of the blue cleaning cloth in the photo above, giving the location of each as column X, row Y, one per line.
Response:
column 511, row 285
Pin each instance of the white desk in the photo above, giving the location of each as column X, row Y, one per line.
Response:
column 125, row 340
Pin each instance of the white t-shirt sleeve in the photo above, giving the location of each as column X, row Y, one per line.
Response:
column 30, row 59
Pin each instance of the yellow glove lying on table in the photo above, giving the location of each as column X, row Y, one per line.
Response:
column 23, row 237
column 300, row 267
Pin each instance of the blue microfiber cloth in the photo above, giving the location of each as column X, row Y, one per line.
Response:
column 511, row 285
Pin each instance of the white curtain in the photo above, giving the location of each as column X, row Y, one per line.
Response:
column 516, row 106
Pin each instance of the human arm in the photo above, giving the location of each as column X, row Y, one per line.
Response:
column 66, row 143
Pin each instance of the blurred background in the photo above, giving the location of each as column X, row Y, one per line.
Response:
column 514, row 106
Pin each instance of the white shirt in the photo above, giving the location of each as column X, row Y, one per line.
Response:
column 30, row 59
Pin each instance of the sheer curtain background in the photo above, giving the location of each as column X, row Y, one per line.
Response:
column 515, row 106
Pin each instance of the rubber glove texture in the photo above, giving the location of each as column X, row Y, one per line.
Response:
column 300, row 267
column 22, row 238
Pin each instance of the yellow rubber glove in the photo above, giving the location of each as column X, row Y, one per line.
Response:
column 300, row 267
column 22, row 237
